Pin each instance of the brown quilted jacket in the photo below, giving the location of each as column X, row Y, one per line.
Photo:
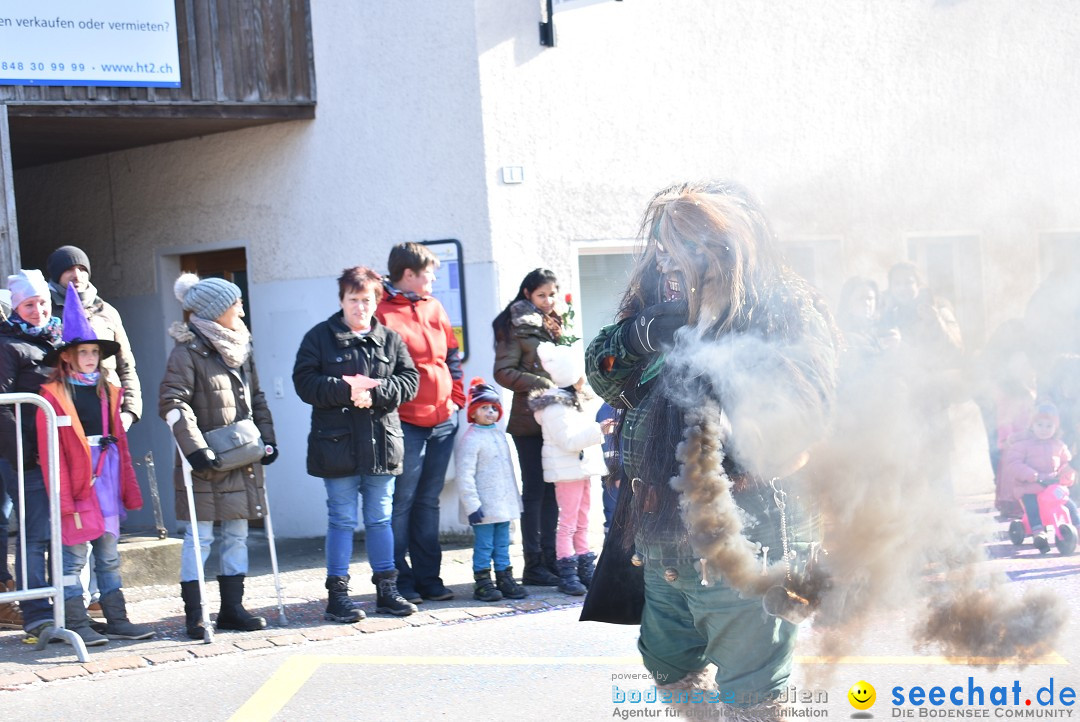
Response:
column 210, row 395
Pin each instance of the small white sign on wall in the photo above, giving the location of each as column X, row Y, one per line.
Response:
column 130, row 43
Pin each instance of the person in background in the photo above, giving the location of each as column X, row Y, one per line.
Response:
column 526, row 322
column 69, row 264
column 210, row 379
column 355, row 373
column 428, row 421
column 96, row 478
column 10, row 617
column 489, row 494
column 30, row 332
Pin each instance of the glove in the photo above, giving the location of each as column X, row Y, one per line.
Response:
column 654, row 326
column 203, row 460
column 271, row 455
column 477, row 516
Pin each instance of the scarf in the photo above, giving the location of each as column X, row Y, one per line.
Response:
column 81, row 379
column 50, row 332
column 233, row 345
column 88, row 296
column 391, row 291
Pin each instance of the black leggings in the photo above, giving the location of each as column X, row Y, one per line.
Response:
column 541, row 514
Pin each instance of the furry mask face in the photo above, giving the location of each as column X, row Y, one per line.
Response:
column 704, row 244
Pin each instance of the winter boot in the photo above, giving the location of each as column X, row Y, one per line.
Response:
column 387, row 598
column 569, row 583
column 193, row 626
column 117, row 625
column 510, row 589
column 10, row 616
column 77, row 620
column 339, row 607
column 550, row 561
column 485, row 590
column 536, row 574
column 586, row 566
column 232, row 614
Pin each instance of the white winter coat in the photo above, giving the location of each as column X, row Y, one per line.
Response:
column 485, row 475
column 572, row 438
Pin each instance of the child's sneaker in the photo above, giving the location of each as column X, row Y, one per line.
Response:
column 1041, row 539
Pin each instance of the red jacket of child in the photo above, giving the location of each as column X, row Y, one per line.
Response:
column 426, row 330
column 1027, row 459
column 81, row 519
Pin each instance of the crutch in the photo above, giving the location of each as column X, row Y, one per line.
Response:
column 282, row 619
column 208, row 634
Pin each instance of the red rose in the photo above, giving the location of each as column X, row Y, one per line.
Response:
column 569, row 298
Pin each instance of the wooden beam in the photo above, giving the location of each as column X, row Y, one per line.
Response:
column 9, row 229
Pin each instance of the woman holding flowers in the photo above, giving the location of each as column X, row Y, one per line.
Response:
column 527, row 321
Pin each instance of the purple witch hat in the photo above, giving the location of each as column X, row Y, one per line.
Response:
column 77, row 330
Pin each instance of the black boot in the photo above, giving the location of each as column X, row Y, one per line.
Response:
column 549, row 560
column 484, row 589
column 387, row 598
column 77, row 620
column 586, row 566
column 510, row 589
column 232, row 614
column 339, row 607
column 568, row 579
column 536, row 573
column 189, row 592
column 117, row 626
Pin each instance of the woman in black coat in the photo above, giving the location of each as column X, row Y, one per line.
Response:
column 355, row 372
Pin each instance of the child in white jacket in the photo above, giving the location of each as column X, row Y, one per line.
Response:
column 571, row 456
column 489, row 494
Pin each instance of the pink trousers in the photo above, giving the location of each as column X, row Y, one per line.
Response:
column 572, row 534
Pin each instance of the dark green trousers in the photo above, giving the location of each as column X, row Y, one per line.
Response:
column 686, row 626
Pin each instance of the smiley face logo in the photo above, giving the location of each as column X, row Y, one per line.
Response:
column 862, row 695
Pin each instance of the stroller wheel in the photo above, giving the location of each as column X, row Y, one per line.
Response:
column 1016, row 533
column 1039, row 539
column 1066, row 541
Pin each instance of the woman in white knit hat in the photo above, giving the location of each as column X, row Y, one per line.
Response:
column 210, row 378
column 26, row 337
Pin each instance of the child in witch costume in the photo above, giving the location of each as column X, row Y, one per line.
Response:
column 489, row 494
column 97, row 480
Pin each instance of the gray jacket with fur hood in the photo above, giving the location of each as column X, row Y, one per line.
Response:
column 210, row 395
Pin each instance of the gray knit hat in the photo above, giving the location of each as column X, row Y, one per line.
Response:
column 208, row 298
column 64, row 258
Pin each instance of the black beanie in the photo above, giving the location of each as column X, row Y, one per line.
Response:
column 64, row 258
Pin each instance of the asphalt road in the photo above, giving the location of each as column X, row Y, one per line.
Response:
column 548, row 666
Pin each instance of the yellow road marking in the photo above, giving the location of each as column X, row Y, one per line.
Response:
column 294, row 673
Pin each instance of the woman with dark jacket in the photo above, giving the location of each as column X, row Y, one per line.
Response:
column 25, row 338
column 355, row 372
column 210, row 378
column 525, row 323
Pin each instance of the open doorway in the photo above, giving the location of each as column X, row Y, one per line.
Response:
column 230, row 264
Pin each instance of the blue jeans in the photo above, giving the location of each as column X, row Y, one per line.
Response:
column 36, row 524
column 416, row 505
column 491, row 544
column 233, row 549
column 106, row 565
column 378, row 493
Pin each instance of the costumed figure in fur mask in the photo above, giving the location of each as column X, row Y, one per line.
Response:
column 722, row 367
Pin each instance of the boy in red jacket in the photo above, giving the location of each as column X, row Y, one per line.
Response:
column 429, row 421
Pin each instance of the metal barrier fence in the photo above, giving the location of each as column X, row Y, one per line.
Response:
column 56, row 590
